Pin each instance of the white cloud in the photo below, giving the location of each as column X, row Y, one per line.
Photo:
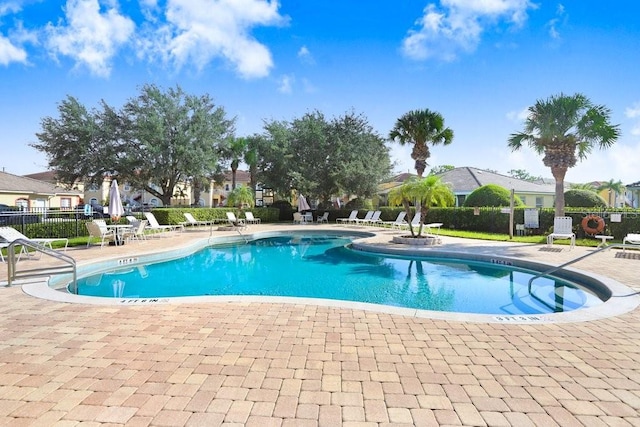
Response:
column 197, row 31
column 90, row 38
column 9, row 50
column 633, row 111
column 286, row 83
column 554, row 23
column 518, row 116
column 11, row 53
column 305, row 55
column 457, row 26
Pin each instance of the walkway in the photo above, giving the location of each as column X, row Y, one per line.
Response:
column 259, row 364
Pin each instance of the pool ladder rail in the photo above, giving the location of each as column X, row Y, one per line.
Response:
column 68, row 263
column 581, row 257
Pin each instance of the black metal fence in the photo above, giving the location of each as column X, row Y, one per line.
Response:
column 42, row 223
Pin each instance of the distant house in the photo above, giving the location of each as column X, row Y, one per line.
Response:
column 465, row 180
column 632, row 194
column 30, row 193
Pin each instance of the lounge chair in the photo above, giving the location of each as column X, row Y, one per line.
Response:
column 98, row 230
column 366, row 219
column 236, row 222
column 156, row 227
column 190, row 220
column 250, row 219
column 399, row 221
column 631, row 239
column 375, row 218
column 415, row 222
column 352, row 218
column 562, row 229
column 10, row 234
column 323, row 218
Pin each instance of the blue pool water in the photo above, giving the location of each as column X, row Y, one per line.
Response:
column 320, row 266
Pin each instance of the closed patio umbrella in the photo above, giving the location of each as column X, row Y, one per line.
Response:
column 302, row 204
column 115, row 203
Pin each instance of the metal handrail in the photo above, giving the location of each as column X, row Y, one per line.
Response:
column 12, row 260
column 581, row 257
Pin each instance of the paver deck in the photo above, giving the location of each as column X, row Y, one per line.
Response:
column 267, row 364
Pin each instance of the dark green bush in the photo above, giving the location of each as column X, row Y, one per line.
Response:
column 583, row 199
column 491, row 195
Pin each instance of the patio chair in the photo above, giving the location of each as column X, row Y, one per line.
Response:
column 190, row 220
column 352, row 217
column 415, row 222
column 236, row 222
column 375, row 218
column 298, row 218
column 98, row 230
column 562, row 229
column 366, row 219
column 250, row 219
column 137, row 232
column 157, row 227
column 10, row 234
column 398, row 221
column 631, row 239
column 324, row 218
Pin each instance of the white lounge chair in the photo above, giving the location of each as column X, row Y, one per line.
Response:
column 399, row 221
column 562, row 229
column 98, row 230
column 352, row 218
column 375, row 218
column 250, row 219
column 236, row 222
column 156, row 227
column 323, row 218
column 631, row 239
column 10, row 234
column 366, row 219
column 415, row 222
column 194, row 222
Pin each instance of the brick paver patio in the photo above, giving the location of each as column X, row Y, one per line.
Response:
column 269, row 364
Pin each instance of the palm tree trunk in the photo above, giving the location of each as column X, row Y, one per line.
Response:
column 559, row 174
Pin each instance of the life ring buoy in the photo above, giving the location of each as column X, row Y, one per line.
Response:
column 589, row 219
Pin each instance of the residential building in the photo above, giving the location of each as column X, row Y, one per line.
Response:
column 30, row 193
column 465, row 180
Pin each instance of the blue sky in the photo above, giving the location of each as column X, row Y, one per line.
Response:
column 480, row 63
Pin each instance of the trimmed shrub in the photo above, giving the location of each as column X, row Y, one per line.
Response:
column 583, row 199
column 491, row 195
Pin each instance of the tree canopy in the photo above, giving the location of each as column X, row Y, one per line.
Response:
column 321, row 157
column 157, row 140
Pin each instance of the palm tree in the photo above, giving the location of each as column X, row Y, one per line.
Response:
column 565, row 129
column 614, row 188
column 424, row 192
column 241, row 196
column 420, row 127
column 235, row 152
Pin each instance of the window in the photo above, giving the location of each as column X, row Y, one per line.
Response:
column 65, row 203
column 127, row 187
column 22, row 203
column 539, row 202
column 524, row 200
column 226, row 187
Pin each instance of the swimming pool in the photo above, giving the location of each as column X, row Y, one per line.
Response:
column 322, row 266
